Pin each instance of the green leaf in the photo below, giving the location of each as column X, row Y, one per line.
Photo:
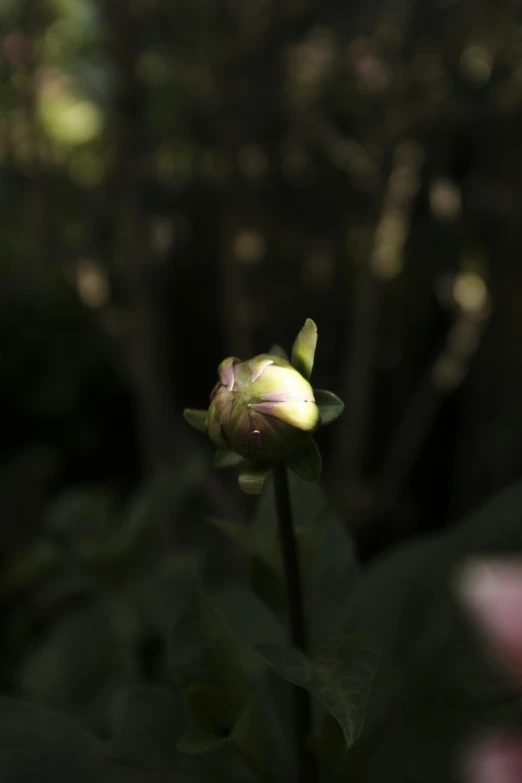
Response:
column 256, row 542
column 81, row 512
column 198, row 741
column 329, row 404
column 147, row 726
column 23, row 570
column 87, row 650
column 252, row 623
column 72, row 663
column 249, row 740
column 329, row 579
column 159, row 596
column 303, row 349
column 339, row 675
column 225, row 458
column 265, row 581
column 245, row 739
column 41, row 745
column 308, row 464
column 49, row 765
column 146, row 722
column 206, row 666
column 196, row 419
column 252, row 479
column 312, row 537
column 276, row 350
column 307, row 504
column 312, row 512
column 326, row 550
column 436, row 688
column 23, row 724
column 150, row 507
column 330, row 745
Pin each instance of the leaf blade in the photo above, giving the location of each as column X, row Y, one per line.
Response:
column 277, row 350
column 257, row 543
column 252, row 479
column 303, row 349
column 308, row 463
column 329, row 404
column 225, row 458
column 196, row 418
column 339, row 676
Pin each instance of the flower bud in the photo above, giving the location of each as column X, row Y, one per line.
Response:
column 261, row 408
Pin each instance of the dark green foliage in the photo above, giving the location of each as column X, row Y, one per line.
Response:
column 327, row 552
column 399, row 682
column 330, row 406
column 435, row 688
column 339, row 675
column 41, row 745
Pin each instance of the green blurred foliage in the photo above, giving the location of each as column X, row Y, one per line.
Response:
column 399, row 681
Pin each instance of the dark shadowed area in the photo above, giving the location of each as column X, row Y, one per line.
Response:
column 186, row 180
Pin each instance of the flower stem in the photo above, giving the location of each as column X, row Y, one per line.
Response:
column 296, row 620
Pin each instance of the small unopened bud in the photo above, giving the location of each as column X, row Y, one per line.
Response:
column 261, row 408
column 263, row 411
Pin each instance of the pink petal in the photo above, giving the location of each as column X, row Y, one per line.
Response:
column 227, row 378
column 280, row 395
column 496, row 761
column 493, row 592
column 227, row 372
column 257, row 367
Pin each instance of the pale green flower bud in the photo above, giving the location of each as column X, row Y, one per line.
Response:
column 261, row 408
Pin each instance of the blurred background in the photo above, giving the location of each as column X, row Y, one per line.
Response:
column 184, row 180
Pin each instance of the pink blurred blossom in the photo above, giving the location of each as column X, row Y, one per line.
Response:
column 496, row 760
column 493, row 592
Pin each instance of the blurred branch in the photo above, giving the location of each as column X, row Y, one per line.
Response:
column 357, row 376
column 265, row 40
column 117, row 280
column 384, row 262
column 237, row 305
column 344, row 152
column 109, row 324
column 123, row 236
column 442, row 379
column 38, row 203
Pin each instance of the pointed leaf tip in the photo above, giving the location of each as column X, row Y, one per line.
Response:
column 276, row 350
column 225, row 458
column 303, row 349
column 329, row 404
column 197, row 742
column 252, row 479
column 340, row 675
column 196, row 419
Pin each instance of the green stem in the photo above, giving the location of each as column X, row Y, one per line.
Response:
column 296, row 620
